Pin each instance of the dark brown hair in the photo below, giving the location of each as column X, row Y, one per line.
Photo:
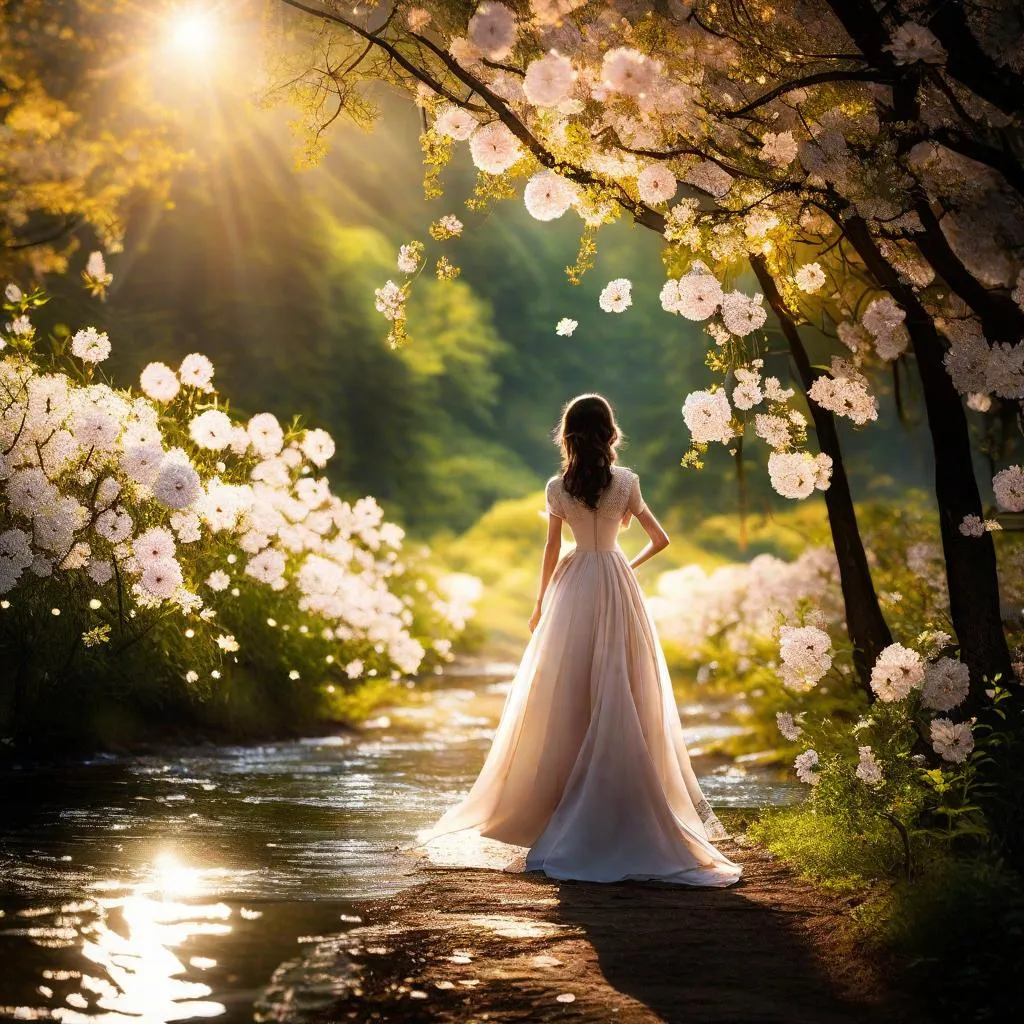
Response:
column 589, row 438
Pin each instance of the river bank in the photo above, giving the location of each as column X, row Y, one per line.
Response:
column 205, row 881
column 494, row 946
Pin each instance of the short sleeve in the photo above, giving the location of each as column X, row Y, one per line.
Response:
column 553, row 497
column 636, row 500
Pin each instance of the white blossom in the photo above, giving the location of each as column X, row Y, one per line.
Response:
column 455, row 122
column 1008, row 486
column 946, row 684
column 494, row 148
column 616, row 296
column 159, row 382
column 628, row 71
column 547, row 195
column 806, row 655
column 912, row 43
column 787, row 726
column 742, row 314
column 708, row 416
column 794, row 475
column 492, row 29
column 566, row 326
column 809, row 278
column 196, row 371
column 549, row 80
column 869, row 771
column 805, row 765
column 90, row 345
column 897, row 671
column 952, row 741
column 779, row 148
column 656, row 184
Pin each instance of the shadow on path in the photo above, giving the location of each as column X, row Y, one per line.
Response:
column 769, row 949
column 496, row 946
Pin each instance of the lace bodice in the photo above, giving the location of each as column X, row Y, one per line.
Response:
column 597, row 529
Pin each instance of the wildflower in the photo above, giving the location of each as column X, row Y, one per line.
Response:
column 177, row 484
column 409, row 257
column 897, row 671
column 218, row 580
column 565, row 327
column 946, row 684
column 806, row 655
column 787, row 726
column 161, row 578
column 196, row 371
column 90, row 345
column 869, row 771
column 265, row 434
column 952, row 741
column 318, row 446
column 1008, row 486
column 211, row 430
column 227, row 643
column 159, row 382
column 449, row 226
column 805, row 765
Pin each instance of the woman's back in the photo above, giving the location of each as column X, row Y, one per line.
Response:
column 597, row 529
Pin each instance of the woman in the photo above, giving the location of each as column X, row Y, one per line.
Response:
column 588, row 767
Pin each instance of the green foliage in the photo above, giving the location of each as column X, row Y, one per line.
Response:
column 842, row 851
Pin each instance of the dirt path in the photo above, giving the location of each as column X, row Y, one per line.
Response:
column 473, row 946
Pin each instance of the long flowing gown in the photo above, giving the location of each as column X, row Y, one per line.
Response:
column 588, row 767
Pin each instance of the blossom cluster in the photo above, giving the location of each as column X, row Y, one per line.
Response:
column 159, row 500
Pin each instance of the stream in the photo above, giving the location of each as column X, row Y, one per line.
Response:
column 198, row 883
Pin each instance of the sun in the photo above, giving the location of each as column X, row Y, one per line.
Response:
column 193, row 32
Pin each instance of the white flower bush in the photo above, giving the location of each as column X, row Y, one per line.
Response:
column 163, row 516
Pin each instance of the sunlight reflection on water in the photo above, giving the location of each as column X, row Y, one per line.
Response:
column 166, row 887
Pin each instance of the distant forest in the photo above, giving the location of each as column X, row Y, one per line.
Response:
column 271, row 273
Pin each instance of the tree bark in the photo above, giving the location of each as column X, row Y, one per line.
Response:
column 865, row 623
column 970, row 561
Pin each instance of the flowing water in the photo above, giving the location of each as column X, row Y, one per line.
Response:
column 201, row 882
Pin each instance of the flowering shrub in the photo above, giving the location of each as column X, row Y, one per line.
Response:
column 155, row 532
column 907, row 755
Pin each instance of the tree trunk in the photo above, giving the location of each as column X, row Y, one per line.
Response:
column 865, row 623
column 970, row 561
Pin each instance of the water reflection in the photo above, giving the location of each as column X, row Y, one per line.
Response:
column 201, row 882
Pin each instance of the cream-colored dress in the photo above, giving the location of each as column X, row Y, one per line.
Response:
column 588, row 767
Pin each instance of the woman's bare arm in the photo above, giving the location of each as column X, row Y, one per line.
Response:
column 659, row 538
column 552, row 549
